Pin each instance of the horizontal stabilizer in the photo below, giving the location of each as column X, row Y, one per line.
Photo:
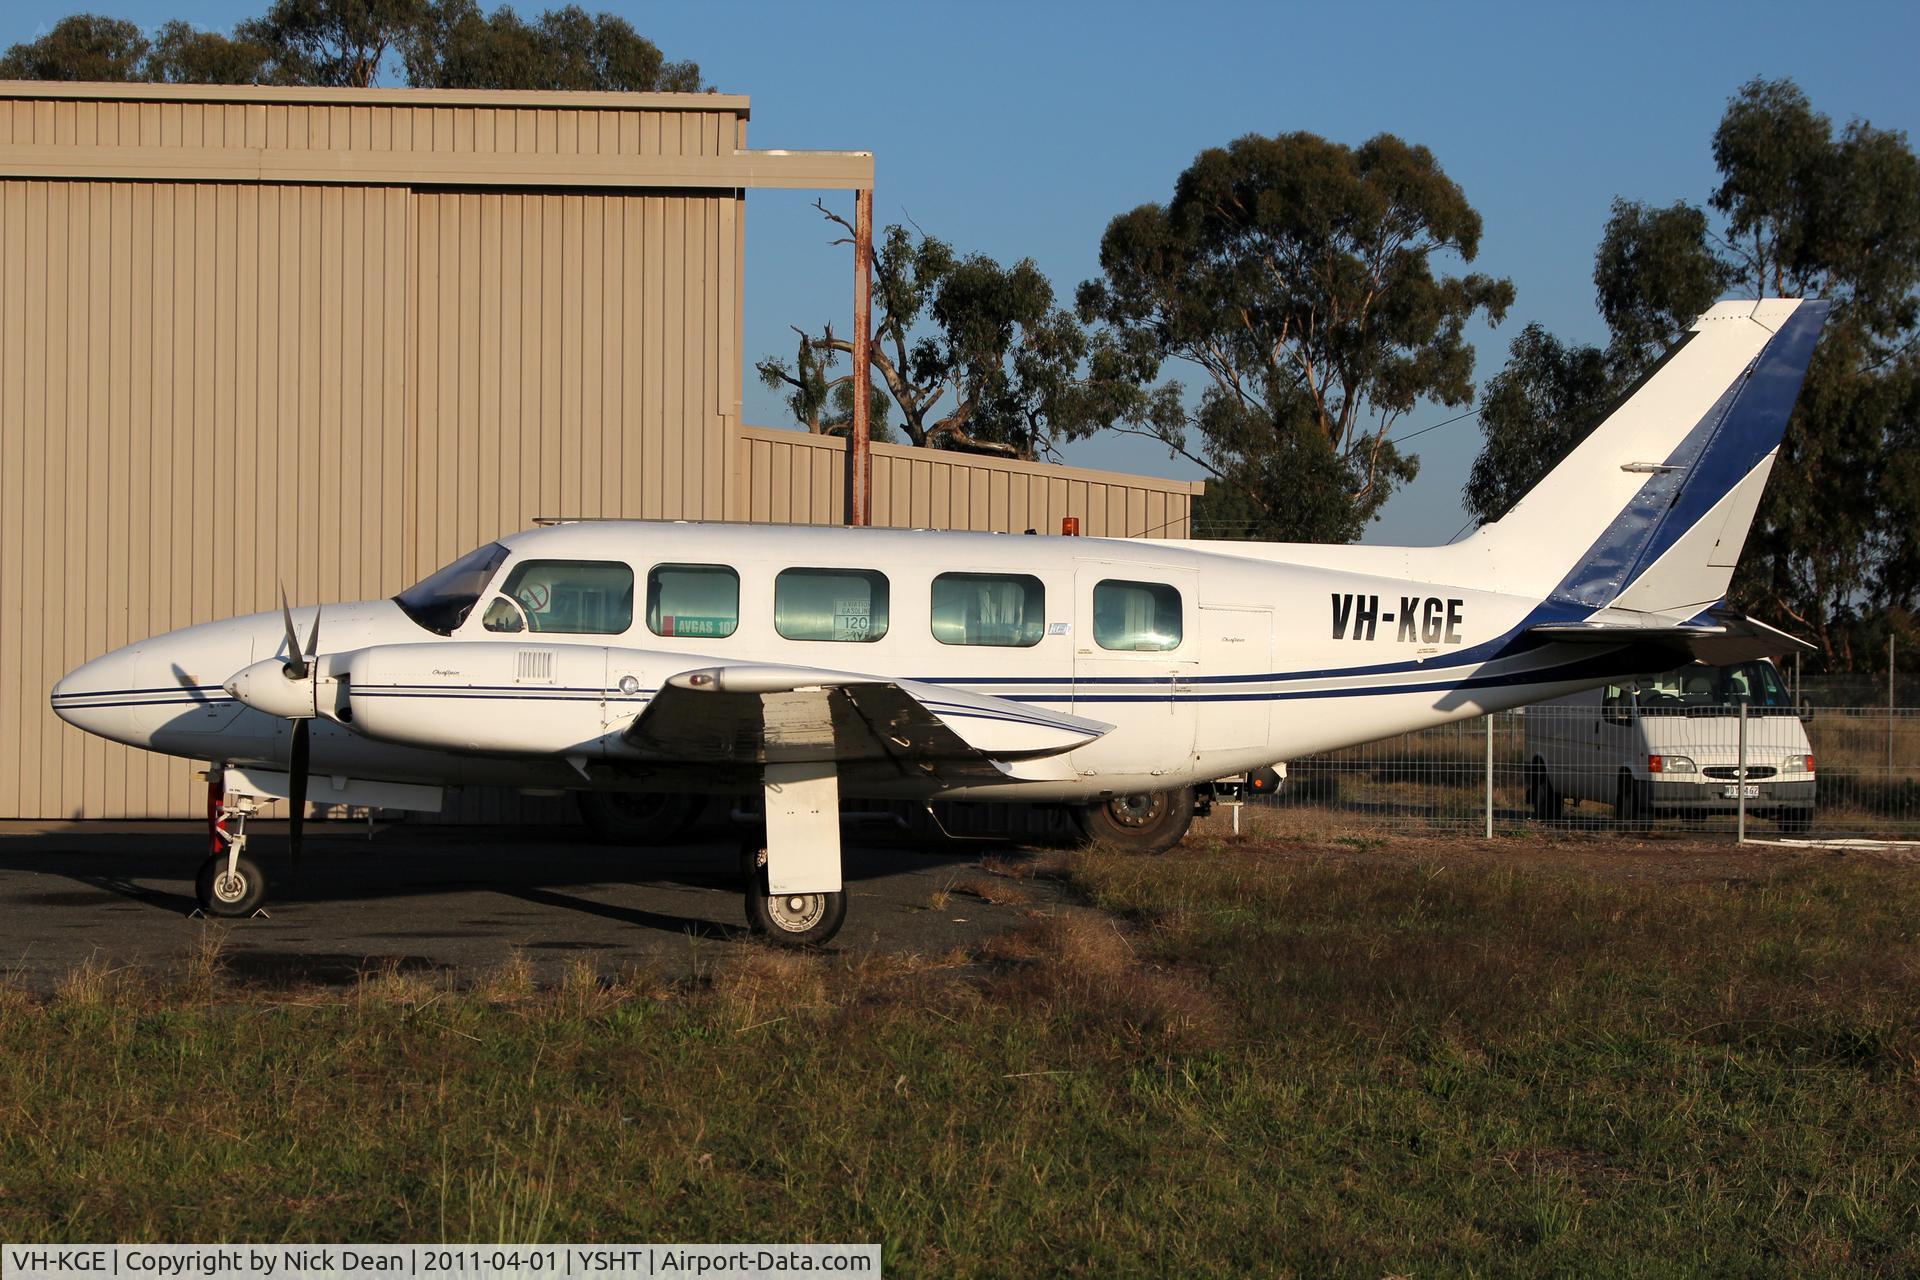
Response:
column 1725, row 638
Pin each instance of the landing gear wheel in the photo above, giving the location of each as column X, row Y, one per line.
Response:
column 789, row 919
column 638, row 817
column 236, row 894
column 1144, row 822
column 1546, row 801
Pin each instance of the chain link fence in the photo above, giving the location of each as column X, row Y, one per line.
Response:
column 1832, row 772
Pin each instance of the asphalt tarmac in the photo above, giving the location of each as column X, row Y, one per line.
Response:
column 458, row 899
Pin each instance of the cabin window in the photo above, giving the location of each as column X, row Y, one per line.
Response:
column 1136, row 616
column 576, row 597
column 699, row 600
column 830, row 604
column 1007, row 609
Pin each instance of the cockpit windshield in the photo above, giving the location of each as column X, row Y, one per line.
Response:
column 441, row 600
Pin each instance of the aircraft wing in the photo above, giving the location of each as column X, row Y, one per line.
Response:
column 769, row 714
column 1726, row 638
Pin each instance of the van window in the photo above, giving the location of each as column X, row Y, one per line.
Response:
column 693, row 600
column 1006, row 609
column 830, row 604
column 1136, row 616
column 578, row 597
column 1700, row 686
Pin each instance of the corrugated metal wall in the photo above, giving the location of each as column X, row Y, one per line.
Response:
column 498, row 123
column 213, row 379
column 794, row 477
column 208, row 387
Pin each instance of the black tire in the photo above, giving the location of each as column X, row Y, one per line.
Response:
column 1795, row 821
column 642, row 818
column 1144, row 822
column 791, row 919
column 1629, row 808
column 238, row 895
column 1546, row 801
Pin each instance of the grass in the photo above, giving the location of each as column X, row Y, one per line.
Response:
column 1348, row 1059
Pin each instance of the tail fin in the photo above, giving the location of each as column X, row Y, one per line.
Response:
column 1652, row 508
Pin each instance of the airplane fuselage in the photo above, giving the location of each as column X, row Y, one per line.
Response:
column 1205, row 659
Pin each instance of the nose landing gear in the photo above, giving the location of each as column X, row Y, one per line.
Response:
column 230, row 884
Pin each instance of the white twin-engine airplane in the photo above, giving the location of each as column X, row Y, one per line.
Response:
column 640, row 662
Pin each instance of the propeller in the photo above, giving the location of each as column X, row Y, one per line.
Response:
column 299, row 666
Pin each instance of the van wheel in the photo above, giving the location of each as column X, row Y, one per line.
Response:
column 1629, row 809
column 1546, row 801
column 1795, row 821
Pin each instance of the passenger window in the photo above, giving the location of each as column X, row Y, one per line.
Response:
column 693, row 600
column 830, row 604
column 578, row 597
column 1136, row 616
column 1007, row 609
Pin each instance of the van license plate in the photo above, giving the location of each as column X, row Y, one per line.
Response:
column 1733, row 793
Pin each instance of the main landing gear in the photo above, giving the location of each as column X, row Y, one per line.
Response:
column 794, row 893
column 230, row 883
column 1144, row 822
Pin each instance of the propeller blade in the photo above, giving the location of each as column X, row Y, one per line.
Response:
column 296, row 663
column 313, row 637
column 297, row 801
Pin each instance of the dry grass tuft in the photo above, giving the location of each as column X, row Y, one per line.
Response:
column 759, row 983
column 94, row 984
column 205, row 971
column 1083, row 962
column 509, row 982
column 1012, row 868
column 406, row 988
column 993, row 892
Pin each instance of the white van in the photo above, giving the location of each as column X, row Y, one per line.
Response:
column 1670, row 744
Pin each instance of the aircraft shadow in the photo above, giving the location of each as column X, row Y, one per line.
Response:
column 340, row 864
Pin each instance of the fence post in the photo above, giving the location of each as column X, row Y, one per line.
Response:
column 1489, row 775
column 1740, row 779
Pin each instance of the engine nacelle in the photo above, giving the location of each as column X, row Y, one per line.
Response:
column 504, row 699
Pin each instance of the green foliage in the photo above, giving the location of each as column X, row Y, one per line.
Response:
column 1654, row 272
column 182, row 55
column 85, row 46
column 1805, row 212
column 1297, row 275
column 331, row 42
column 974, row 354
column 458, row 46
column 1534, row 412
column 821, row 404
column 442, row 44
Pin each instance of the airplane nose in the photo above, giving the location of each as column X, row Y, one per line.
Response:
column 104, row 697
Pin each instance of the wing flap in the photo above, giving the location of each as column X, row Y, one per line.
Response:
column 763, row 714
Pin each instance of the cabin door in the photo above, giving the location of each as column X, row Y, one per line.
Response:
column 1231, row 718
column 1136, row 648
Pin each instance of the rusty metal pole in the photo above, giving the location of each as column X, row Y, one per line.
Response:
column 860, row 491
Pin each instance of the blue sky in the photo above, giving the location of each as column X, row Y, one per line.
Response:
column 1019, row 130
